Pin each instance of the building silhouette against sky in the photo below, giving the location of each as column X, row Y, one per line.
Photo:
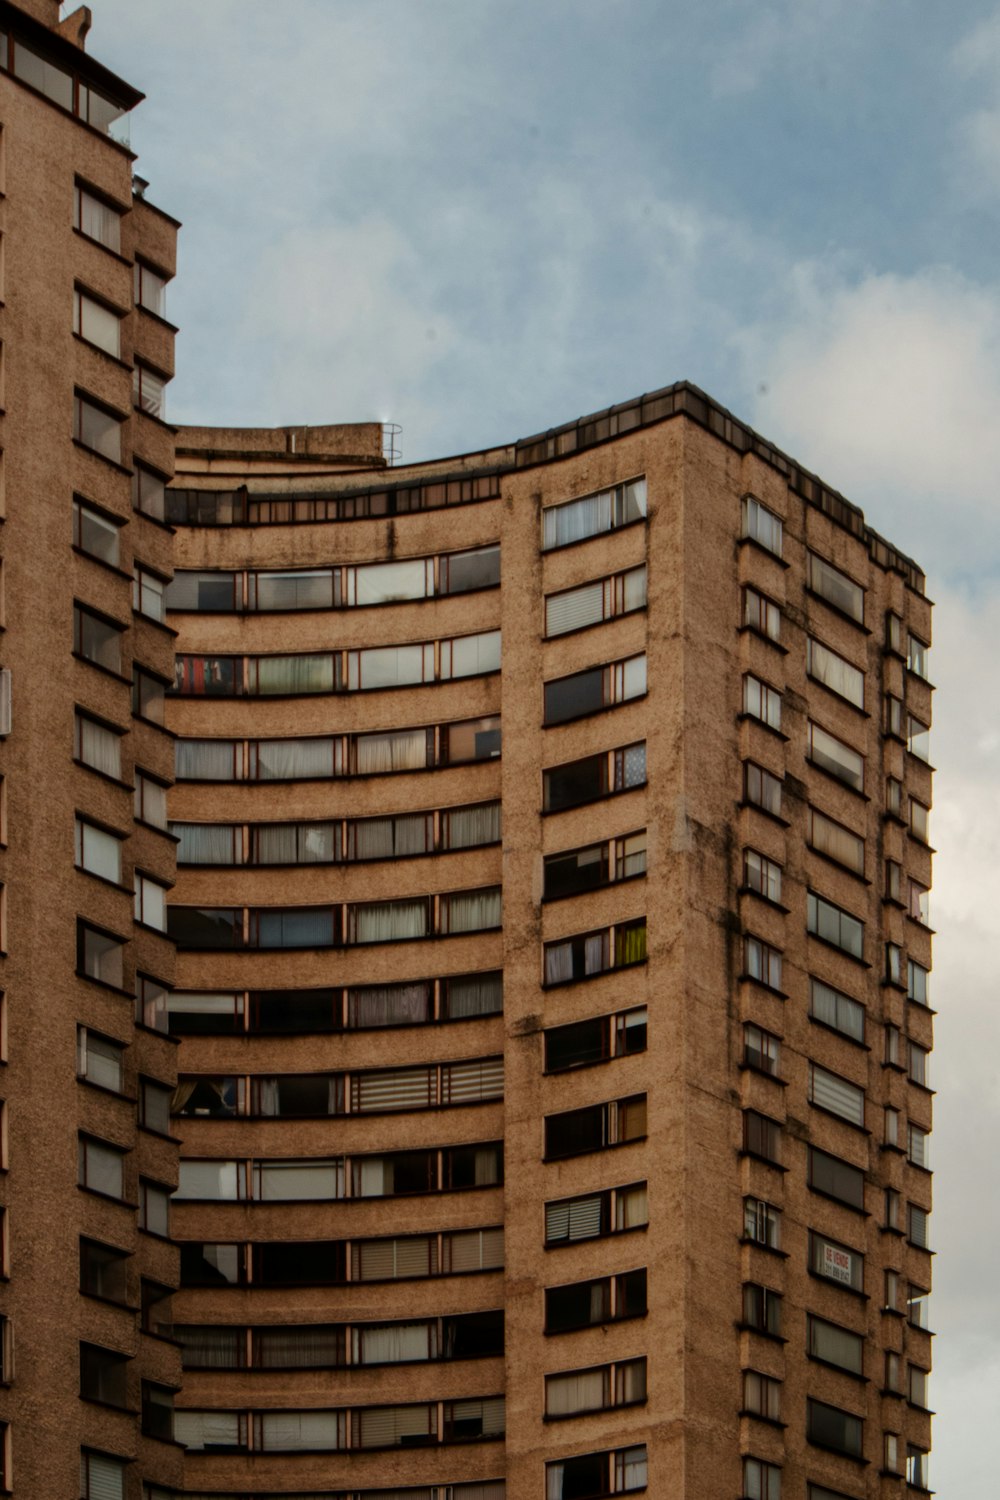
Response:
column 465, row 933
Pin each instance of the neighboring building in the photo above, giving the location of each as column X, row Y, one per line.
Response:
column 547, row 1039
column 88, row 1163
column 628, row 1189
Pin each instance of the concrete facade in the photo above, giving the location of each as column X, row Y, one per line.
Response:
column 545, row 1044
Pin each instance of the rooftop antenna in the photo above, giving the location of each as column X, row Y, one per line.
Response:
column 390, row 451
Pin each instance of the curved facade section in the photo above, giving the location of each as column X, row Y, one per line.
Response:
column 540, row 941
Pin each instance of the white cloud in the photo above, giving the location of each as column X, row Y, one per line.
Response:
column 976, row 60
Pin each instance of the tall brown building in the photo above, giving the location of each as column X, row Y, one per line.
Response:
column 547, row 1037
column 552, row 970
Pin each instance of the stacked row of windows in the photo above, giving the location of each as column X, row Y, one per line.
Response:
column 828, row 1175
column 323, row 757
column 190, row 507
column 319, row 1095
column 335, row 1178
column 287, row 1263
column 103, row 1477
column 338, row 841
column 359, row 1008
column 338, row 671
column 210, row 928
column 348, row 586
column 332, row 1346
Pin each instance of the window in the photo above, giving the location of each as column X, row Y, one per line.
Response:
column 918, row 1149
column 836, row 1346
column 585, row 869
column 762, row 875
column 893, row 716
column 893, row 963
column 917, row 1386
column 151, row 1004
column 617, row 1472
column 148, row 696
column 917, row 978
column 893, row 796
column 919, row 820
column 96, row 323
column 157, row 1411
column 890, row 1126
column 101, row 1476
column 212, row 1431
column 582, row 1042
column 150, row 289
column 761, row 614
column 836, row 1179
column 148, row 492
column 590, row 603
column 890, row 1452
column 149, row 391
column 150, row 800
column 595, row 1127
column 583, row 1304
column 919, row 907
column 835, row 1262
column 761, row 1223
column 97, row 639
column 836, row 842
column 761, row 962
column 893, row 880
column 761, row 1309
column 838, row 759
column 103, row 1375
column 94, row 533
column 917, row 1469
column 101, row 1167
column 760, row 1049
column 893, row 1209
column 97, row 746
column 916, row 656
column 832, row 1008
column 598, row 687
column 836, row 588
column 593, row 515
column 97, row 429
column 836, row 1095
column 836, row 926
column 761, row 1481
column 600, row 1388
column 154, row 1208
column 761, row 1137
column 99, row 1060
column 596, row 1215
column 594, row 953
column 103, row 1271
column 762, row 1395
column 154, row 1107
column 595, row 776
column 762, row 525
column 918, row 738
column 829, row 1427
column 147, row 593
column 892, row 1377
column 150, row 902
column 835, row 673
column 917, row 1305
column 761, row 788
column 761, row 701
column 918, row 1064
column 97, row 851
column 99, row 955
column 893, row 1039
column 890, row 1296
column 96, row 219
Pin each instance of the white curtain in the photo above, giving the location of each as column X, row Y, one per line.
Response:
column 205, row 760
column 393, row 1088
column 388, row 666
column 404, row 750
column 577, row 519
column 836, row 673
column 99, row 748
column 558, row 962
column 208, row 1429
column 395, row 1343
column 293, row 674
column 634, row 677
column 634, row 588
column 388, row 1426
column 372, row 1177
column 372, row 838
column 383, row 583
column 467, row 655
column 296, row 760
column 578, row 1390
column 290, row 1348
column 469, row 827
column 633, row 1207
column 313, row 590
column 471, row 911
column 301, row 1431
column 389, row 921
column 292, row 1181
column 214, row 1181
column 472, row 1081
column 574, row 608
column 474, row 1250
column 208, row 843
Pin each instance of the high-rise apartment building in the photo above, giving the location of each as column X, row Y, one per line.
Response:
column 546, row 1042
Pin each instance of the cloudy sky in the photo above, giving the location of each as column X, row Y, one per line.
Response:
column 482, row 217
